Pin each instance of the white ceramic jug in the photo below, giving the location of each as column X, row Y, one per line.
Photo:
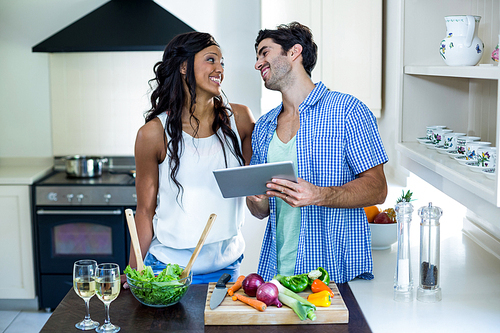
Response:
column 461, row 46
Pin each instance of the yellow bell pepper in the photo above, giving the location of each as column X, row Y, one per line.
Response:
column 320, row 299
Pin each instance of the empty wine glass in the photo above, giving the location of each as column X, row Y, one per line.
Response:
column 107, row 289
column 84, row 285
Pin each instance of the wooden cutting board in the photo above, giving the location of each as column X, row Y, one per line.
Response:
column 231, row 312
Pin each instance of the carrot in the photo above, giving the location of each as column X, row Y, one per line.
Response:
column 261, row 306
column 319, row 285
column 236, row 286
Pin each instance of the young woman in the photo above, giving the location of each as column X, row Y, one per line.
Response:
column 190, row 132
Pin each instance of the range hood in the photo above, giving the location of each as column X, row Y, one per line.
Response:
column 118, row 25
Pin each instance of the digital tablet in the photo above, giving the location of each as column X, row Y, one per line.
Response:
column 251, row 179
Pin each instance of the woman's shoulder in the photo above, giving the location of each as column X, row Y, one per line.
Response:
column 151, row 131
column 242, row 112
column 243, row 116
column 239, row 108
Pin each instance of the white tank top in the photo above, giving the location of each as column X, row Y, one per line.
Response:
column 177, row 229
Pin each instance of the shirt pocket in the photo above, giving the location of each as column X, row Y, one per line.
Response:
column 327, row 160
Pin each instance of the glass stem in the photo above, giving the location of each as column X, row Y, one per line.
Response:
column 106, row 311
column 87, row 315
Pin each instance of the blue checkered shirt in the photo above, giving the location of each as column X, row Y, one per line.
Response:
column 338, row 139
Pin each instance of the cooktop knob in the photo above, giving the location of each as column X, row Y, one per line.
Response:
column 69, row 197
column 107, row 197
column 52, row 196
column 80, row 197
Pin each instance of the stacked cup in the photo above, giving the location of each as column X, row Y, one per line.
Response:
column 462, row 143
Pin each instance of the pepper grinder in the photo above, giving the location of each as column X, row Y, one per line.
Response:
column 428, row 288
column 403, row 280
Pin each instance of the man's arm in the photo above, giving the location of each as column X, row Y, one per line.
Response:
column 370, row 188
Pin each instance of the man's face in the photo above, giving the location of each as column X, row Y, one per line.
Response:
column 273, row 64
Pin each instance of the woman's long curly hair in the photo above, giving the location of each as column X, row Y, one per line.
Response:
column 169, row 95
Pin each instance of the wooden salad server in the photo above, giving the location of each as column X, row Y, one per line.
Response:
column 204, row 234
column 135, row 239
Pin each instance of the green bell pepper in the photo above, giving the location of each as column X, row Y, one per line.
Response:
column 295, row 283
column 319, row 273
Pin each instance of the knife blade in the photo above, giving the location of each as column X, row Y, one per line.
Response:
column 220, row 291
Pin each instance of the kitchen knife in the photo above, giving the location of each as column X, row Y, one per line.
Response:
column 220, row 291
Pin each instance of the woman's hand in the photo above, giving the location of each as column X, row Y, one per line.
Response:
column 123, row 281
column 258, row 205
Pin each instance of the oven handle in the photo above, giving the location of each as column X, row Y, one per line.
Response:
column 79, row 212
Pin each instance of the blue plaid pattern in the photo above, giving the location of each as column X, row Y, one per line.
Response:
column 338, row 139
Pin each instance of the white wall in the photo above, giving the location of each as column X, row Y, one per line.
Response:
column 24, row 76
column 391, row 78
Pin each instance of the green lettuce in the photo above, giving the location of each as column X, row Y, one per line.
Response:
column 160, row 290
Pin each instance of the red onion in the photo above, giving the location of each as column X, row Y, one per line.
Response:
column 268, row 293
column 251, row 283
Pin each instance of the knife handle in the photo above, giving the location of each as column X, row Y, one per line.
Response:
column 223, row 280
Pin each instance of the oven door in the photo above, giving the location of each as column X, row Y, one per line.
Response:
column 66, row 235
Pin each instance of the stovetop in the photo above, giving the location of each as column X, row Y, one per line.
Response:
column 119, row 178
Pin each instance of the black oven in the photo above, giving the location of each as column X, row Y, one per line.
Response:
column 78, row 219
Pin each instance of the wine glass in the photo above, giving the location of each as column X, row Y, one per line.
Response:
column 84, row 285
column 107, row 289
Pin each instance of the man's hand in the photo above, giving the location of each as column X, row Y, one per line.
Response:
column 298, row 194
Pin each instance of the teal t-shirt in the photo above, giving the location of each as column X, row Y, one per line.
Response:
column 287, row 217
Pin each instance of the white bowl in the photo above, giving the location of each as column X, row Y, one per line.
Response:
column 383, row 235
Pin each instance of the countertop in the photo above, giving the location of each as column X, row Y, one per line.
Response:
column 24, row 171
column 469, row 282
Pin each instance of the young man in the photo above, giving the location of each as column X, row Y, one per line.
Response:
column 333, row 141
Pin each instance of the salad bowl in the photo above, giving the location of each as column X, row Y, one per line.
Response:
column 158, row 286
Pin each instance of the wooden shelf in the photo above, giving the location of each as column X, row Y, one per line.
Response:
column 444, row 173
column 470, row 72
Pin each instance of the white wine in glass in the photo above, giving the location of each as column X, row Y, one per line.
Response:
column 107, row 286
column 84, row 286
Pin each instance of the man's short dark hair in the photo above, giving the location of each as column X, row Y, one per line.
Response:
column 287, row 35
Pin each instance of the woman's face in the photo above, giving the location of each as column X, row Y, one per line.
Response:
column 209, row 71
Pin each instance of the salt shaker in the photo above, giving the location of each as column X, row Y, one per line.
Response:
column 429, row 289
column 403, row 280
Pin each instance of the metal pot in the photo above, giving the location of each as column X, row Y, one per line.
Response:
column 78, row 166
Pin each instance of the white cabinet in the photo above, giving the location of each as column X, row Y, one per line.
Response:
column 16, row 243
column 349, row 44
column 463, row 98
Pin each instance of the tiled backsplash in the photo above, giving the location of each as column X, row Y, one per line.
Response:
column 98, row 100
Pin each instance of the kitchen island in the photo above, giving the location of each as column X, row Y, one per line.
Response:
column 185, row 316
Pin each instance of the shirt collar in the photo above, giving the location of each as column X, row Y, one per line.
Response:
column 315, row 95
column 311, row 99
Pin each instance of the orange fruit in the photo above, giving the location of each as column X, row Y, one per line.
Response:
column 371, row 212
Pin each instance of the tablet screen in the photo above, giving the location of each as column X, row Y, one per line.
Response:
column 251, row 179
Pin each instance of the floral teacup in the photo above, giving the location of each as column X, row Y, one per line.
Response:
column 487, row 156
column 472, row 149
